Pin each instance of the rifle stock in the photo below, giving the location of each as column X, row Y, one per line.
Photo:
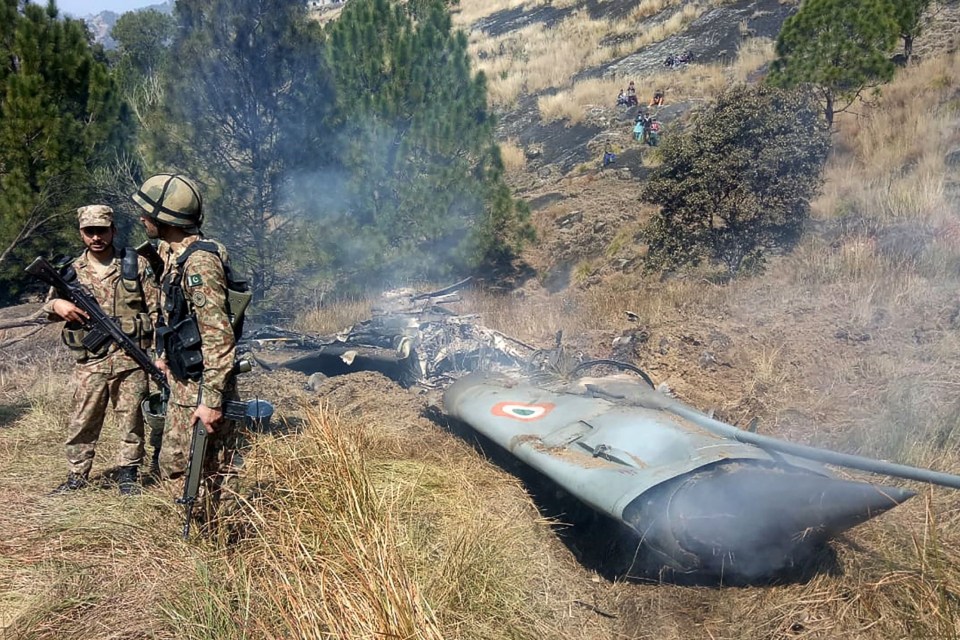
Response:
column 149, row 252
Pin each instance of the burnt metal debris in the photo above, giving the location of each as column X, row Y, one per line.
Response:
column 702, row 496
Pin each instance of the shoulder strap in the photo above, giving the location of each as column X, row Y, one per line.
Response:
column 201, row 245
column 211, row 247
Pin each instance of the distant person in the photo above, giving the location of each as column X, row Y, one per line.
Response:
column 653, row 135
column 120, row 282
column 609, row 157
column 632, row 95
column 638, row 129
column 622, row 99
column 657, row 100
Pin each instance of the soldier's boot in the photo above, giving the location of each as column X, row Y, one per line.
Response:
column 128, row 481
column 75, row 481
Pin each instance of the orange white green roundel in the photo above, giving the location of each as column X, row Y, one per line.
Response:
column 522, row 411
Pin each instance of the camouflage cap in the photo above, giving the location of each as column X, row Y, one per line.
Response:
column 95, row 215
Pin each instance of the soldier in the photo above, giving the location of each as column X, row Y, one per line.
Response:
column 123, row 286
column 196, row 344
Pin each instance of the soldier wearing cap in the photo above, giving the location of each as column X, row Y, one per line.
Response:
column 196, row 343
column 123, row 286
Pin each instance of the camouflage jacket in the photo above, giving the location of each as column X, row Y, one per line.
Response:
column 205, row 289
column 135, row 311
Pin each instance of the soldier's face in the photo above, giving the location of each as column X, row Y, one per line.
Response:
column 98, row 239
column 150, row 227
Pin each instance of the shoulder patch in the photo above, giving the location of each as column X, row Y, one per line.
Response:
column 198, row 298
column 195, row 280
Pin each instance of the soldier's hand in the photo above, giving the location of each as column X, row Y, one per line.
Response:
column 209, row 417
column 162, row 365
column 69, row 311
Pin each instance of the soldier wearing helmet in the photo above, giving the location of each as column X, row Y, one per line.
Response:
column 121, row 283
column 196, row 344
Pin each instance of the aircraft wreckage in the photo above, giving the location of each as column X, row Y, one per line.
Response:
column 702, row 496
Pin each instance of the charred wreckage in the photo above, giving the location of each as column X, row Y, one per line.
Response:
column 700, row 496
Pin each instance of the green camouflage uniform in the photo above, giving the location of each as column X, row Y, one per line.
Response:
column 112, row 375
column 205, row 289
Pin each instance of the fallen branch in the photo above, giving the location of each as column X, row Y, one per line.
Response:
column 31, row 321
column 12, row 341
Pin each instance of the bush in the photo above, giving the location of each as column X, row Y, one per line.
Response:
column 738, row 182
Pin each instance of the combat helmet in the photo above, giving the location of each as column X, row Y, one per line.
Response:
column 171, row 199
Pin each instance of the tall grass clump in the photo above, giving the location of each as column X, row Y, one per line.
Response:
column 514, row 158
column 331, row 315
column 340, row 541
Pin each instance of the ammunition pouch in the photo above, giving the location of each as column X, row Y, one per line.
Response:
column 144, row 330
column 77, row 339
column 181, row 346
column 238, row 292
column 89, row 343
column 237, row 302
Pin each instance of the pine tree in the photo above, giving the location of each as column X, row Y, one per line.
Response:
column 838, row 47
column 247, row 108
column 60, row 119
column 907, row 13
column 424, row 194
column 144, row 39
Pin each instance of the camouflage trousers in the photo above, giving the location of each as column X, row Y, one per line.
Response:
column 108, row 380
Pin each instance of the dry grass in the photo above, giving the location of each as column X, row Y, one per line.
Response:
column 467, row 12
column 693, row 83
column 330, row 316
column 514, row 158
column 752, row 55
column 341, row 535
column 361, row 529
column 895, row 145
column 536, row 58
column 854, row 331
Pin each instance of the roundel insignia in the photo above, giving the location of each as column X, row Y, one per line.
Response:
column 522, row 411
column 198, row 299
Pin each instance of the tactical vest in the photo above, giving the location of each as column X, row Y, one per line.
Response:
column 129, row 309
column 179, row 338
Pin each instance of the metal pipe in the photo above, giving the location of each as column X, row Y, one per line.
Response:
column 813, row 453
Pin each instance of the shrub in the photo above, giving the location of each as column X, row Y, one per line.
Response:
column 737, row 183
